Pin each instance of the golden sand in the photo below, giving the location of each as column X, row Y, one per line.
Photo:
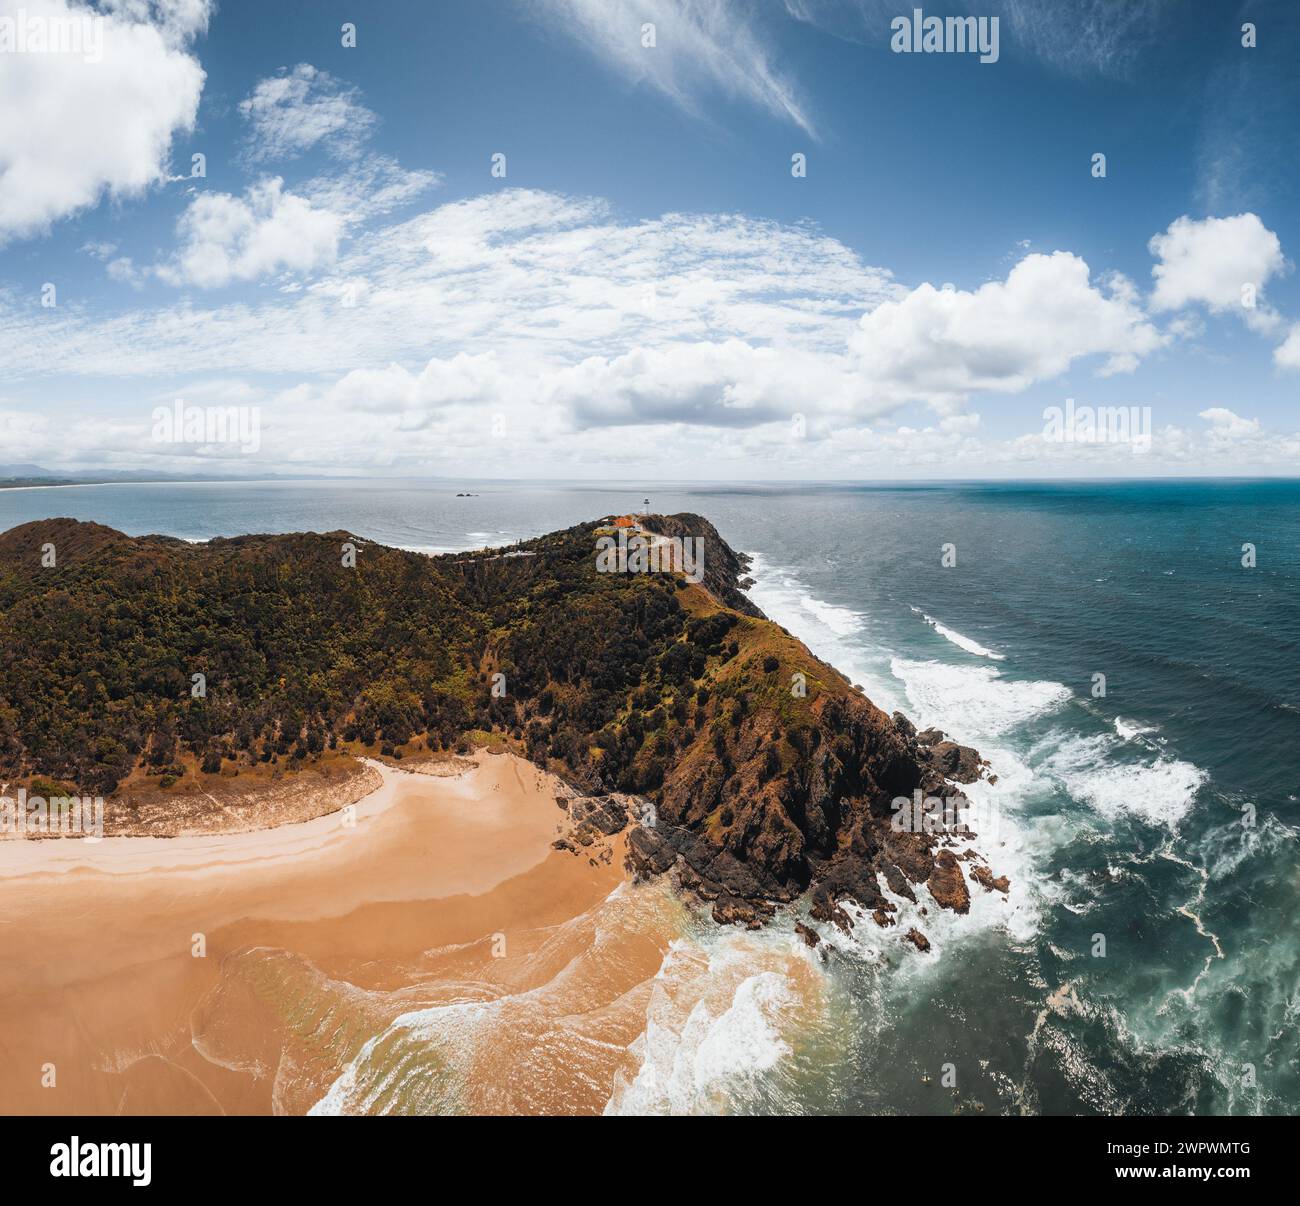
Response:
column 426, row 951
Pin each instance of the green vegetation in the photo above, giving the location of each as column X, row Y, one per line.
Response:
column 608, row 677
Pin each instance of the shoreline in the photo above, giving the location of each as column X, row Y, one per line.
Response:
column 246, row 805
column 168, row 975
column 171, row 851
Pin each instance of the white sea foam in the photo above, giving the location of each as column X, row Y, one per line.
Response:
column 1128, row 729
column 1160, row 792
column 745, row 1039
column 962, row 642
column 720, row 1016
column 1228, row 846
column 973, row 702
column 843, row 621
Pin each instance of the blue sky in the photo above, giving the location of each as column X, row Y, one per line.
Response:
column 649, row 290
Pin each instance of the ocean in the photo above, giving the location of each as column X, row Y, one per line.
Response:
column 1136, row 688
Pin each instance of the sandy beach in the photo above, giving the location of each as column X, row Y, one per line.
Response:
column 287, row 969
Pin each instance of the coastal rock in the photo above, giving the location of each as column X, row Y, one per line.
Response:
column 598, row 814
column 825, row 908
column 732, row 910
column 917, row 939
column 984, row 877
column 957, row 763
column 947, row 884
column 810, row 936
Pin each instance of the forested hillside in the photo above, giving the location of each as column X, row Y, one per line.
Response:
column 762, row 760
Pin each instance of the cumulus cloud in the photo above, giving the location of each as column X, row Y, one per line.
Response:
column 394, row 389
column 1224, row 422
column 177, row 20
column 293, row 111
column 1287, row 354
column 78, row 124
column 1212, row 260
column 727, row 384
column 701, row 47
column 940, row 345
column 226, row 238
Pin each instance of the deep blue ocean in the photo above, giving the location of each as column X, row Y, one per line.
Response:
column 1148, row 957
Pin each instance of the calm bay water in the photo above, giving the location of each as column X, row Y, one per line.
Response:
column 1147, row 959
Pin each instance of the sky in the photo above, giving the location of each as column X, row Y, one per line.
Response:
column 677, row 239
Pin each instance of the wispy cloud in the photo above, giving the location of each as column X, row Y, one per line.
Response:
column 700, row 47
column 1102, row 36
column 293, row 111
column 526, row 274
column 1249, row 140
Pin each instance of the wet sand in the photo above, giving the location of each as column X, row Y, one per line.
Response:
column 435, row 955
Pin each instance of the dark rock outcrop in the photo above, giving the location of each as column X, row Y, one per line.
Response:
column 947, row 885
column 986, row 880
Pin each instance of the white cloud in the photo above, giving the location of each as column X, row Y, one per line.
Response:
column 124, row 271
column 940, row 345
column 728, row 384
column 177, row 20
column 702, row 46
column 226, row 238
column 294, row 111
column 74, row 126
column 523, row 327
column 1287, row 354
column 532, row 276
column 1225, row 423
column 369, row 186
column 553, row 315
column 395, row 390
column 100, row 250
column 1212, row 260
